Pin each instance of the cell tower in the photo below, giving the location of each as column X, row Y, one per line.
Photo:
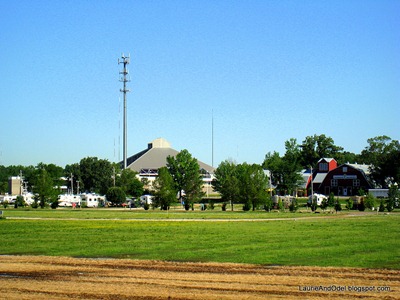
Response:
column 124, row 79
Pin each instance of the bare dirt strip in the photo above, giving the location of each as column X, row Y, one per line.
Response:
column 41, row 277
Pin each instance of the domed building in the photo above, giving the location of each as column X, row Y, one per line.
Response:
column 147, row 162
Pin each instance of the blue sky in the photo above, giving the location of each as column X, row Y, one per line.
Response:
column 266, row 70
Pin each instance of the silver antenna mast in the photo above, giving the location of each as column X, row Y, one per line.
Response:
column 124, row 79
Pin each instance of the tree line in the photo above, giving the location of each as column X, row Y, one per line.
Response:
column 382, row 154
column 182, row 180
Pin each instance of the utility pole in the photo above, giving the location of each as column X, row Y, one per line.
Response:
column 124, row 79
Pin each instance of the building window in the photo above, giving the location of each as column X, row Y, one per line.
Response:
column 356, row 182
column 334, row 182
column 344, row 169
column 323, row 167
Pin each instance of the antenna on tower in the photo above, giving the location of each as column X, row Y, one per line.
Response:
column 212, row 138
column 124, row 79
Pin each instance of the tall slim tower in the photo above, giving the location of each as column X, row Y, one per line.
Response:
column 124, row 79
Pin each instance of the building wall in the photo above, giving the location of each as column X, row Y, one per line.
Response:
column 14, row 185
column 344, row 181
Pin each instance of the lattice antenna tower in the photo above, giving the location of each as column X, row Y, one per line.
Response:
column 124, row 79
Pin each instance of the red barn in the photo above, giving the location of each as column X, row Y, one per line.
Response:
column 345, row 180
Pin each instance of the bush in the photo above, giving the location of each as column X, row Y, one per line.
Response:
column 349, row 203
column 187, row 206
column 247, row 206
column 293, row 206
column 389, row 205
column 370, row 201
column 382, row 206
column 338, row 206
column 211, row 205
column 281, row 205
column 35, row 204
column 116, row 195
column 324, row 204
column 223, row 206
column 361, row 205
column 54, row 204
column 146, row 206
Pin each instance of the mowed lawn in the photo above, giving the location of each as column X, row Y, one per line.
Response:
column 370, row 241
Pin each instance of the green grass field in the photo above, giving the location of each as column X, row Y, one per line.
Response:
column 370, row 241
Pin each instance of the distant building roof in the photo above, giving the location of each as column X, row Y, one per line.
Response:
column 326, row 159
column 319, row 177
column 361, row 167
column 155, row 157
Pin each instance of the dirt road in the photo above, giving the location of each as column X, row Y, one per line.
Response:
column 39, row 277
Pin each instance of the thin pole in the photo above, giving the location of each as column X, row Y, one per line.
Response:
column 212, row 139
column 125, row 61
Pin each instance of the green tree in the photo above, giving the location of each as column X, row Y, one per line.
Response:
column 291, row 167
column 164, row 189
column 383, row 154
column 273, row 162
column 44, row 188
column 253, row 183
column 185, row 172
column 226, row 181
column 19, row 201
column 324, row 204
column 96, row 174
column 129, row 183
column 116, row 195
column 338, row 206
column 75, row 171
column 349, row 204
column 393, row 197
column 285, row 171
column 370, row 201
column 331, row 200
column 316, row 147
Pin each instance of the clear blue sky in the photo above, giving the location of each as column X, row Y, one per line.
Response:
column 267, row 70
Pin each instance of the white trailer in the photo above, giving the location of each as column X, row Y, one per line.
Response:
column 318, row 197
column 69, row 200
column 93, row 200
column 146, row 199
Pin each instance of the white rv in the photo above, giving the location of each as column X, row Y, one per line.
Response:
column 93, row 200
column 146, row 199
column 68, row 200
column 318, row 197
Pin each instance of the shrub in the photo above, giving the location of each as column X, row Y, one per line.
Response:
column 54, row 204
column 314, row 205
column 293, row 206
column 187, row 206
column 223, row 206
column 361, row 205
column 338, row 206
column 389, row 205
column 116, row 195
column 246, row 206
column 35, row 204
column 349, row 203
column 146, row 206
column 382, row 206
column 211, row 205
column 324, row 204
column 370, row 201
column 281, row 205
